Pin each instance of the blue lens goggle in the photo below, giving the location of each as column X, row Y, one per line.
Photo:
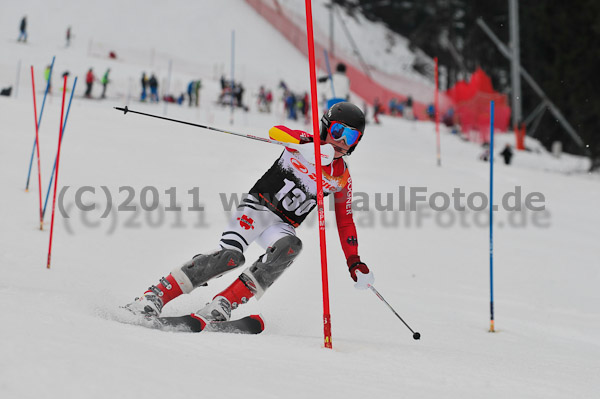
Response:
column 341, row 132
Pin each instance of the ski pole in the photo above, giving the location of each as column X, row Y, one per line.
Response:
column 327, row 152
column 416, row 335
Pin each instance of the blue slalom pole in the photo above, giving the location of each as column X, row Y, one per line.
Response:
column 61, row 138
column 39, row 122
column 491, row 216
column 329, row 73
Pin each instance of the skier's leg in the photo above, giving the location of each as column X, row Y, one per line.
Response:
column 282, row 248
column 247, row 225
column 182, row 280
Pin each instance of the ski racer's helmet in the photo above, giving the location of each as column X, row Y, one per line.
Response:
column 340, row 116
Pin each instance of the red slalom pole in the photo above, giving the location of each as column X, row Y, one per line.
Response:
column 62, row 114
column 437, row 114
column 37, row 145
column 317, row 141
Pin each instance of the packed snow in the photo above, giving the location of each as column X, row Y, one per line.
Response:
column 59, row 337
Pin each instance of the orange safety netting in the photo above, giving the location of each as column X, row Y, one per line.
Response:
column 472, row 105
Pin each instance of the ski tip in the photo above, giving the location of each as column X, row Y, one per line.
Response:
column 200, row 319
column 260, row 320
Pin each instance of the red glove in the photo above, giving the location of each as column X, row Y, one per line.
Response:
column 360, row 273
column 354, row 265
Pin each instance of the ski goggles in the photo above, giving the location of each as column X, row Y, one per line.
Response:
column 339, row 132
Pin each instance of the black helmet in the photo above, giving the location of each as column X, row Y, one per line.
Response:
column 347, row 114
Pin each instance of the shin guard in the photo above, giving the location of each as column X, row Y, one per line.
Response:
column 263, row 273
column 202, row 268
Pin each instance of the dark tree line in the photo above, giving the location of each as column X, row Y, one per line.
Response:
column 560, row 48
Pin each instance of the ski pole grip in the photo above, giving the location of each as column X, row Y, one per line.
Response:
column 122, row 109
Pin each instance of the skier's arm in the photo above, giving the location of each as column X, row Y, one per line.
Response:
column 287, row 135
column 348, row 238
column 345, row 221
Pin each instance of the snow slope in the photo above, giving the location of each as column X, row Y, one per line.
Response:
column 380, row 46
column 58, row 336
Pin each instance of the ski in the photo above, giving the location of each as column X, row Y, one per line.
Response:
column 252, row 324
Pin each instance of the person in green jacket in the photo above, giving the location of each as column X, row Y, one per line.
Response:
column 104, row 82
column 197, row 87
column 47, row 77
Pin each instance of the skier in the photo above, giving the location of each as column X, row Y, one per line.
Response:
column 277, row 203
column 23, row 30
column 68, row 36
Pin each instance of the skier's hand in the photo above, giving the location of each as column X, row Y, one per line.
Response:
column 360, row 273
column 306, row 139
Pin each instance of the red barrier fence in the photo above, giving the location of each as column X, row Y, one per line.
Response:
column 367, row 88
column 470, row 100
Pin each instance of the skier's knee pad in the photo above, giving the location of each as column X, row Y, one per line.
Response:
column 202, row 268
column 263, row 273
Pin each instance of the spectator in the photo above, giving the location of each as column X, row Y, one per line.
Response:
column 144, row 87
column 269, row 99
column 197, row 87
column 23, row 30
column 507, row 154
column 239, row 93
column 377, row 110
column 408, row 109
column 190, row 92
column 290, row 105
column 337, row 88
column 393, row 107
column 281, row 97
column 262, row 100
column 448, row 118
column 430, row 110
column 305, row 104
column 105, row 80
column 169, row 98
column 89, row 82
column 48, row 79
column 153, row 84
column 485, row 155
